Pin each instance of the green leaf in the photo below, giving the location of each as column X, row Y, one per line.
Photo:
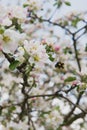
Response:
column 58, row 3
column 2, row 30
column 65, row 23
column 84, row 78
column 40, row 19
column 45, row 113
column 49, row 49
column 50, row 57
column 67, row 3
column 25, row 5
column 67, row 50
column 57, row 108
column 12, row 108
column 17, row 25
column 14, row 64
column 70, row 79
column 26, row 55
column 75, row 22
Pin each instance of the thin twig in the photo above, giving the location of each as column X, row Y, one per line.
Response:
column 49, row 21
column 58, row 95
column 76, row 52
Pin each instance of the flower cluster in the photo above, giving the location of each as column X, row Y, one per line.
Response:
column 33, row 5
column 43, row 67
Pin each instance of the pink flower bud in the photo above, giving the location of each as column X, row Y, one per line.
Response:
column 56, row 47
column 75, row 83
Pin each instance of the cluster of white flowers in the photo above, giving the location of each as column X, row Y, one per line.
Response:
column 33, row 4
column 8, row 13
column 36, row 50
column 17, row 12
column 37, row 67
column 16, row 126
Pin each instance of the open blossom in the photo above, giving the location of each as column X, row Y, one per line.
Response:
column 12, row 125
column 6, row 22
column 10, row 40
column 40, row 76
column 4, row 99
column 4, row 19
column 36, row 51
column 17, row 12
column 8, row 13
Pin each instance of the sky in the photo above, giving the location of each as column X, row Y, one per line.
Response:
column 78, row 5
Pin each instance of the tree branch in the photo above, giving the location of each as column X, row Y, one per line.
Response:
column 76, row 52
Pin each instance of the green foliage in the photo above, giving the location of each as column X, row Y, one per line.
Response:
column 65, row 23
column 29, row 68
column 67, row 3
column 2, row 30
column 12, row 108
column 49, row 51
column 84, row 78
column 9, row 112
column 44, row 113
column 32, row 21
column 70, row 79
column 26, row 55
column 17, row 25
column 25, row 5
column 13, row 65
column 67, row 50
column 40, row 19
column 75, row 22
column 57, row 108
column 82, row 88
column 51, row 57
column 58, row 3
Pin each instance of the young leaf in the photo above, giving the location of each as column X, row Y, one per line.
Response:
column 25, row 5
column 75, row 22
column 67, row 3
column 70, row 79
column 50, row 57
column 58, row 3
column 14, row 64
